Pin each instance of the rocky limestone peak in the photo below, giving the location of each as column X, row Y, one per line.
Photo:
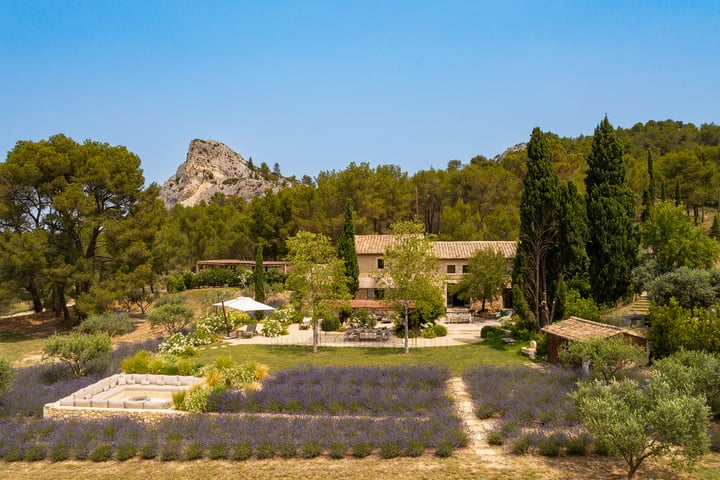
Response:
column 212, row 167
column 515, row 148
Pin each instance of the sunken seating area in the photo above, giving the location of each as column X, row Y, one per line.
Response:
column 135, row 391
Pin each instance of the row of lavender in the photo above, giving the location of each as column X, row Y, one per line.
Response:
column 378, row 391
column 402, row 411
column 531, row 408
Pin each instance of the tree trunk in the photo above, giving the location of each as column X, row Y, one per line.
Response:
column 35, row 294
column 407, row 336
column 315, row 334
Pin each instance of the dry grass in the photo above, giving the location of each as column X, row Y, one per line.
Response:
column 463, row 465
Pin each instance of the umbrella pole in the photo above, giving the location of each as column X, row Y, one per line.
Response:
column 227, row 327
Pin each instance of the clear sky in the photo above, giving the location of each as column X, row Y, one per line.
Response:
column 315, row 85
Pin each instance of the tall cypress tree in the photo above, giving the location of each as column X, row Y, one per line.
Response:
column 538, row 229
column 346, row 251
column 259, row 275
column 649, row 194
column 613, row 236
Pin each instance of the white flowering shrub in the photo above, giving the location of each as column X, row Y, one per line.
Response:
column 196, row 399
column 273, row 328
column 177, row 344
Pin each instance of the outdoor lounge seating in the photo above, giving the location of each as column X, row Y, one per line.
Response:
column 367, row 334
column 249, row 331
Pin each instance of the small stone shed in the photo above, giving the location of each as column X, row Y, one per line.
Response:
column 580, row 330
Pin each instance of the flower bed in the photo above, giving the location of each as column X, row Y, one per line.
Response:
column 385, row 391
column 401, row 411
column 530, row 408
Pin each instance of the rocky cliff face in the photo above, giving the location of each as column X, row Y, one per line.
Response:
column 212, row 167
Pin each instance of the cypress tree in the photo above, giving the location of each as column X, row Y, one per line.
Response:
column 572, row 258
column 538, row 229
column 259, row 277
column 648, row 199
column 678, row 196
column 613, row 237
column 715, row 228
column 346, row 251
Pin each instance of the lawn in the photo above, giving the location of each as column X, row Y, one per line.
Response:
column 15, row 346
column 457, row 358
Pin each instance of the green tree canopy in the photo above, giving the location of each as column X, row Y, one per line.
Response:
column 346, row 251
column 673, row 241
column 612, row 234
column 487, row 274
column 410, row 271
column 317, row 278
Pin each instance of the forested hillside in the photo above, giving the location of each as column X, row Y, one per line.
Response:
column 70, row 221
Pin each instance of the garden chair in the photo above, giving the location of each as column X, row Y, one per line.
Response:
column 249, row 331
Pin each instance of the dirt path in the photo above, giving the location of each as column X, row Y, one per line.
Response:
column 477, row 429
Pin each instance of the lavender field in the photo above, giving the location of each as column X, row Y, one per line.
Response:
column 529, row 408
column 306, row 412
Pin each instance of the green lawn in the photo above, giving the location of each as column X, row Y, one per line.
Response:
column 458, row 358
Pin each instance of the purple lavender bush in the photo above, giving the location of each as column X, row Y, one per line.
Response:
column 530, row 406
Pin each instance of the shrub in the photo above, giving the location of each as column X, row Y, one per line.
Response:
column 264, row 450
column 171, row 314
column 390, row 448
column 196, row 399
column 101, row 452
column 148, row 450
column 337, row 450
column 170, row 451
column 193, row 451
column 126, row 450
column 330, row 324
column 288, row 449
column 362, row 318
column 549, row 446
column 241, row 451
column 111, row 323
column 59, row 452
column 78, row 350
column 35, row 453
column 444, row 449
column 714, row 434
column 496, row 437
column 272, row 327
column 520, row 445
column 362, row 449
column 7, row 377
column 491, row 331
column 578, row 445
column 310, row 448
column 217, row 451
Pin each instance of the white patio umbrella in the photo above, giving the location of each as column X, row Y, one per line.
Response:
column 245, row 304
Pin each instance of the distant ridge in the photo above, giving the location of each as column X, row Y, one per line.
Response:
column 212, row 167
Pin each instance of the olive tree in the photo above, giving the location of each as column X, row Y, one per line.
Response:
column 636, row 422
column 78, row 350
column 606, row 356
column 172, row 315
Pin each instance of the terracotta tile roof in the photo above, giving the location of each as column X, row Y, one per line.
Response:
column 579, row 329
column 372, row 244
column 377, row 244
column 464, row 250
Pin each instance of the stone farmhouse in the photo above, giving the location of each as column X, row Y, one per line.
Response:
column 452, row 262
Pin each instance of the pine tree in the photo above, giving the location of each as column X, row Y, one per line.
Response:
column 613, row 237
column 346, row 251
column 715, row 228
column 538, row 228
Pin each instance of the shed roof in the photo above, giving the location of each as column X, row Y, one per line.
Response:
column 579, row 329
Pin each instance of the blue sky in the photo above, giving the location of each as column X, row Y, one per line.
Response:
column 315, row 85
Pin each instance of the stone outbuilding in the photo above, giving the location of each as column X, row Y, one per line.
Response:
column 580, row 330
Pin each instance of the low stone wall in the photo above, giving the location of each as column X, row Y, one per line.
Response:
column 101, row 398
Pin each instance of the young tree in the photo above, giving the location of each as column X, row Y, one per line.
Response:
column 316, row 279
column 410, row 270
column 538, row 229
column 78, row 350
column 612, row 239
column 346, row 251
column 486, row 276
column 606, row 356
column 673, row 241
column 171, row 314
column 638, row 423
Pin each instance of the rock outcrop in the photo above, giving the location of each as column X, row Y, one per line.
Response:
column 212, row 167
